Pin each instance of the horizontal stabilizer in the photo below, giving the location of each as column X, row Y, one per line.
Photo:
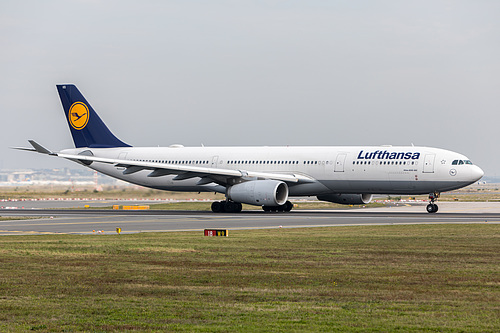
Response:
column 39, row 148
column 36, row 148
column 23, row 148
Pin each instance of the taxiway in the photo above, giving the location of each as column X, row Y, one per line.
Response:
column 78, row 221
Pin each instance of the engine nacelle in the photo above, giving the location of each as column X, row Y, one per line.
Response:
column 259, row 192
column 347, row 199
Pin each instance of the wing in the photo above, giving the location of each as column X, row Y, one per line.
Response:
column 206, row 175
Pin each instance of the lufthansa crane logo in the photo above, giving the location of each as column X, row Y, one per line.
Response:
column 78, row 115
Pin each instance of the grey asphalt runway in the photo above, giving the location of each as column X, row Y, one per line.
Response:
column 42, row 221
column 68, row 203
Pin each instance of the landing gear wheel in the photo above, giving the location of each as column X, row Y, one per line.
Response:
column 217, row 207
column 226, row 207
column 232, row 207
column 286, row 207
column 432, row 208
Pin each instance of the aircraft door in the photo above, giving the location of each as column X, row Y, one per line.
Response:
column 339, row 162
column 429, row 163
column 214, row 161
column 122, row 156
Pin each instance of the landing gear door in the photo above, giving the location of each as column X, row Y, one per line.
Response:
column 339, row 162
column 429, row 163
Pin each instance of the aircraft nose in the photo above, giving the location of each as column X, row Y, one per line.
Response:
column 476, row 173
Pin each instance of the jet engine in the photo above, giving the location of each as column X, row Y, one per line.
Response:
column 259, row 192
column 347, row 199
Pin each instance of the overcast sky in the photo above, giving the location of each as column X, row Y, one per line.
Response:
column 255, row 73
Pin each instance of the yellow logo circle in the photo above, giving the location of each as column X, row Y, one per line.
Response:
column 78, row 115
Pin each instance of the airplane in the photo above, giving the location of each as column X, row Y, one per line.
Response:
column 262, row 176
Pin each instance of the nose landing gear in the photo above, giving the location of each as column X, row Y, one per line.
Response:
column 432, row 207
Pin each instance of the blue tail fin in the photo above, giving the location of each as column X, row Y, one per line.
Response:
column 87, row 129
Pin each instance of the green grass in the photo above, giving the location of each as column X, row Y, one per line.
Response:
column 109, row 193
column 475, row 192
column 14, row 218
column 420, row 278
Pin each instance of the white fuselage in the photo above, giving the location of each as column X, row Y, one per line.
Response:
column 357, row 170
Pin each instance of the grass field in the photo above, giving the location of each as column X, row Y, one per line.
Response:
column 489, row 192
column 110, row 192
column 420, row 278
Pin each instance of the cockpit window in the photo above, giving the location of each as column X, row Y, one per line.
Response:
column 461, row 162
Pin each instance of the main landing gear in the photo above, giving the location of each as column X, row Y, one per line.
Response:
column 235, row 207
column 226, row 207
column 286, row 207
column 432, row 207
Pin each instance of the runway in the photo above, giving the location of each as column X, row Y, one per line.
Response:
column 58, row 221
